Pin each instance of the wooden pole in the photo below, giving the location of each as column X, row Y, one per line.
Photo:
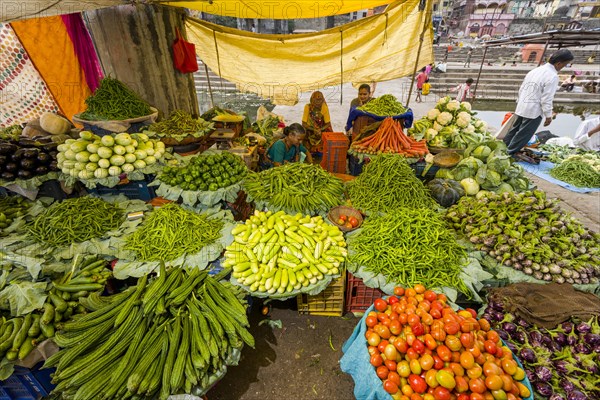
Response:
column 543, row 53
column 426, row 24
column 479, row 73
column 212, row 100
column 341, row 66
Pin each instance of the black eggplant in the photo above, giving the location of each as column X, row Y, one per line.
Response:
column 3, row 160
column 41, row 170
column 30, row 153
column 7, row 176
column 53, row 166
column 53, row 153
column 11, row 167
column 28, row 164
column 7, row 148
column 17, row 155
column 44, row 158
column 23, row 174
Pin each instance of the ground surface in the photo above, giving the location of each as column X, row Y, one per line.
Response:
column 297, row 361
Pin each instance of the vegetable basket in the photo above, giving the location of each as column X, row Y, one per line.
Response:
column 446, row 159
column 436, row 150
column 335, row 213
column 132, row 125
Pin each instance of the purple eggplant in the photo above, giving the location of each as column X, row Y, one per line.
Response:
column 503, row 334
column 512, row 347
column 522, row 322
column 528, row 355
column 555, row 347
column 592, row 339
column 582, row 348
column 520, row 337
column 510, row 328
column 583, row 327
column 543, row 373
column 531, row 376
column 556, row 396
column 544, row 389
column 498, row 316
column 561, row 339
column 567, row 327
column 561, row 367
column 567, row 385
column 576, row 395
column 571, row 340
column 536, row 339
column 496, row 305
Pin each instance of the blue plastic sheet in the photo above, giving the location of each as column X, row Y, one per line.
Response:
column 542, row 170
column 407, row 117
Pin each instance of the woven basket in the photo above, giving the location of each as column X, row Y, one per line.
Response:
column 335, row 213
column 436, row 150
column 446, row 159
column 169, row 141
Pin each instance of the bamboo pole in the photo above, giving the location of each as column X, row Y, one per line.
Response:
column 485, row 49
column 426, row 23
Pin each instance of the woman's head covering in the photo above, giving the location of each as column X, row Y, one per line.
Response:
column 316, row 96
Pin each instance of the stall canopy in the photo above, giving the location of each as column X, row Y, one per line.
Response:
column 277, row 10
column 553, row 38
column 381, row 47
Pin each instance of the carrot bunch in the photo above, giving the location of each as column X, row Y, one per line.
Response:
column 390, row 138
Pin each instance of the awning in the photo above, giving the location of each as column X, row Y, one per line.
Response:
column 16, row 10
column 277, row 10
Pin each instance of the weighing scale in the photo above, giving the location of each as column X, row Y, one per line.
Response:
column 223, row 138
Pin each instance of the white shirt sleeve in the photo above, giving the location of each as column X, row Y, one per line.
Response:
column 581, row 135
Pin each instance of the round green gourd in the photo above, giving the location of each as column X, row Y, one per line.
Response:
column 446, row 191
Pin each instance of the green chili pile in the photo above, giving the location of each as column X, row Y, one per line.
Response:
column 384, row 106
column 113, row 101
column 581, row 171
column 181, row 124
column 296, row 187
column 171, row 231
column 409, row 247
column 76, row 220
column 386, row 184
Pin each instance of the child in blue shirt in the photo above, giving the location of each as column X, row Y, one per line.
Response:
column 289, row 148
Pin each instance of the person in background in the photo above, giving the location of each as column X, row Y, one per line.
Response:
column 587, row 135
column 364, row 96
column 590, row 86
column 316, row 120
column 428, row 69
column 468, row 60
column 290, row 148
column 535, row 102
column 568, row 83
column 253, row 28
column 421, row 78
column 426, row 87
column 464, row 91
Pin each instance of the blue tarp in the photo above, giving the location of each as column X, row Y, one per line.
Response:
column 543, row 171
column 407, row 117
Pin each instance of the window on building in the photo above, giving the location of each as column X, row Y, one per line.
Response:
column 435, row 7
column 355, row 15
column 364, row 14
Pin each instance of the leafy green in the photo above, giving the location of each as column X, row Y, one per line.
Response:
column 23, row 297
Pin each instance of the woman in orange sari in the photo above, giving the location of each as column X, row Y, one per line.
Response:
column 315, row 121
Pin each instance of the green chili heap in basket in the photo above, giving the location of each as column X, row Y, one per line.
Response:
column 76, row 220
column 409, row 246
column 172, row 231
column 113, row 101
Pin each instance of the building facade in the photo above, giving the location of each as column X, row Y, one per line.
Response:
column 477, row 18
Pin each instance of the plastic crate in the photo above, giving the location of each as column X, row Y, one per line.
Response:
column 133, row 190
column 335, row 151
column 26, row 384
column 358, row 296
column 419, row 168
column 330, row 302
column 355, row 167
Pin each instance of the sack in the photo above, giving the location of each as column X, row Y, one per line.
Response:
column 184, row 55
column 425, row 89
column 506, row 127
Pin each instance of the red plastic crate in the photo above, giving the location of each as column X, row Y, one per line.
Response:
column 358, row 296
column 335, row 149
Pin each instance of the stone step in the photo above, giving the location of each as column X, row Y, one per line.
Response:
column 511, row 93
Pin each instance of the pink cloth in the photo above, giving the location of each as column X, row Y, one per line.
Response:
column 84, row 48
column 428, row 69
column 421, row 78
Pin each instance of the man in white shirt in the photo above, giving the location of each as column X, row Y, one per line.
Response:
column 587, row 135
column 535, row 101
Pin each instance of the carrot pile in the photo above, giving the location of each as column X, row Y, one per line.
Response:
column 390, row 138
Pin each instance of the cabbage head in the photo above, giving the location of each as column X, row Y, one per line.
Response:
column 520, row 183
column 488, row 178
column 504, row 188
column 467, row 168
column 498, row 161
column 481, row 152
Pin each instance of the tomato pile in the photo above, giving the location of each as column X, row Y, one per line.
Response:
column 424, row 350
column 349, row 222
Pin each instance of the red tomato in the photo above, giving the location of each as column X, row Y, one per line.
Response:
column 391, row 365
column 392, row 300
column 418, row 329
column 473, row 312
column 394, row 377
column 381, row 305
column 373, row 350
column 418, row 346
column 382, row 345
column 441, row 393
column 430, row 378
column 435, row 313
column 467, row 340
column 484, row 324
column 382, row 372
column 412, row 354
column 463, row 396
column 376, row 360
column 390, row 386
column 353, row 221
column 430, row 342
column 419, row 288
column 430, row 295
column 453, row 343
column 444, row 352
column 477, row 385
column 467, row 360
column 417, row 383
column 374, row 339
column 452, row 328
column 493, row 336
column 371, row 321
column 401, row 345
column 395, row 327
column 490, row 346
column 413, row 319
column 462, row 384
column 382, row 331
column 426, row 362
column 399, row 291
column 438, row 363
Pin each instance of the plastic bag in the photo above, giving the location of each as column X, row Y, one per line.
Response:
column 184, row 55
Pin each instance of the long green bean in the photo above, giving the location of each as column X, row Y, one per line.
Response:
column 296, row 187
column 76, row 220
column 170, row 232
column 576, row 172
column 409, row 247
column 113, row 101
column 386, row 184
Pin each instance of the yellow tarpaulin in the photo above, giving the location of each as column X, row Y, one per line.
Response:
column 377, row 48
column 278, row 9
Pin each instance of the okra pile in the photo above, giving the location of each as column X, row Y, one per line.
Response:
column 20, row 335
column 167, row 336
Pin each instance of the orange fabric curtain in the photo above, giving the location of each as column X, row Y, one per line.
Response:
column 49, row 47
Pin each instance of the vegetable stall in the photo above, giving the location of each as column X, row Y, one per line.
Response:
column 149, row 299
